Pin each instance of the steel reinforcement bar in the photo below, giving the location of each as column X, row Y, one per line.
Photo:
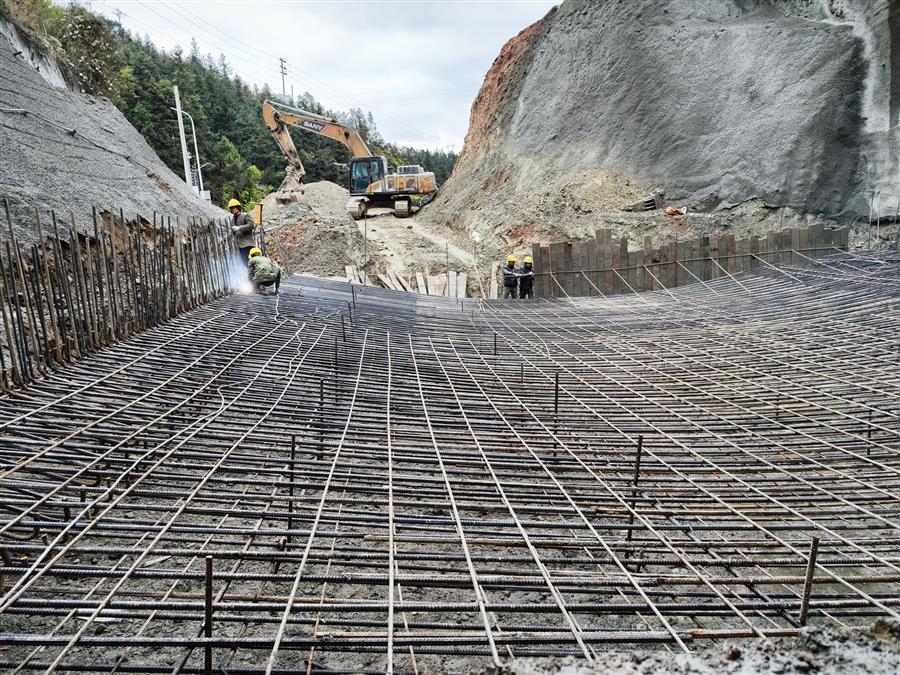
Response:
column 354, row 479
column 71, row 294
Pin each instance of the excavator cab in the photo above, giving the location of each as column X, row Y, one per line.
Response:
column 364, row 171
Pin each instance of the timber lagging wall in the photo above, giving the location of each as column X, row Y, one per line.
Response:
column 602, row 266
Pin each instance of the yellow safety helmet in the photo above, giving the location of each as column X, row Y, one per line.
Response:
column 528, row 259
column 511, row 258
column 254, row 252
column 233, row 202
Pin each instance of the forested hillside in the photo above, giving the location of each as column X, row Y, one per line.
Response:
column 239, row 155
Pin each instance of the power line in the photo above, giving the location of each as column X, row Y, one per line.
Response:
column 338, row 96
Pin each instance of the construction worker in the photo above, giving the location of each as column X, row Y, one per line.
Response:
column 242, row 227
column 526, row 279
column 263, row 271
column 510, row 279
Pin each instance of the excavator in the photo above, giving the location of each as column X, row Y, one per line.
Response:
column 373, row 184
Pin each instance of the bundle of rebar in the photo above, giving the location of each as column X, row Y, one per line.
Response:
column 347, row 478
column 70, row 294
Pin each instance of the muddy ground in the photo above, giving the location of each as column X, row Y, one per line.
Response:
column 817, row 650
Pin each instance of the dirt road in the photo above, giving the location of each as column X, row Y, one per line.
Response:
column 406, row 246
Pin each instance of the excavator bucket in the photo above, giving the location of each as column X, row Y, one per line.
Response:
column 290, row 189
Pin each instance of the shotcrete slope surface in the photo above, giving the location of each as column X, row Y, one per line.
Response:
column 105, row 163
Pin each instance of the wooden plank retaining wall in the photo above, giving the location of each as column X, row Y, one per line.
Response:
column 602, row 266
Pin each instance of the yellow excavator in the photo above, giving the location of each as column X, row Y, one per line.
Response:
column 373, row 184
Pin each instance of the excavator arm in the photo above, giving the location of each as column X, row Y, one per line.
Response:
column 277, row 119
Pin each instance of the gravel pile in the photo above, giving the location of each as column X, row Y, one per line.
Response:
column 314, row 234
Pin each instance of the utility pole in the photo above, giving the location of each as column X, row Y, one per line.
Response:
column 283, row 73
column 184, row 150
column 196, row 150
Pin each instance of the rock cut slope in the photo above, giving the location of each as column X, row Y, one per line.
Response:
column 793, row 103
column 105, row 162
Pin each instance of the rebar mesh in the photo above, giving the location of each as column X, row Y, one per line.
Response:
column 354, row 479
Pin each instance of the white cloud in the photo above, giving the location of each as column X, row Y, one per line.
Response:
column 417, row 65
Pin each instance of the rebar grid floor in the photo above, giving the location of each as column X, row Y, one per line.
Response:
column 358, row 479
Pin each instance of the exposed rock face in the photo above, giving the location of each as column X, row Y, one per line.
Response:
column 106, row 163
column 791, row 102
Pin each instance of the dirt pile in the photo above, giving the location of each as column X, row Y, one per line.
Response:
column 62, row 150
column 314, row 234
column 817, row 650
column 717, row 102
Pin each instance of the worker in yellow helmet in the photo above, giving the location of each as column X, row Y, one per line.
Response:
column 526, row 278
column 263, row 271
column 242, row 227
column 510, row 279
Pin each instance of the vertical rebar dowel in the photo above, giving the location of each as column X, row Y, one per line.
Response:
column 20, row 270
column 91, row 286
column 343, row 328
column 60, row 270
column 807, row 585
column 634, row 482
column 321, row 418
column 48, row 289
column 555, row 411
column 15, row 309
column 99, row 264
column 522, row 375
column 353, row 293
column 208, row 619
column 869, row 435
column 12, row 342
column 291, row 487
column 34, row 280
column 495, row 344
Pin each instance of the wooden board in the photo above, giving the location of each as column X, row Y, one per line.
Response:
column 451, row 284
column 420, row 284
column 440, row 284
column 401, row 283
column 432, row 285
column 671, row 265
column 714, row 271
column 682, row 251
column 603, row 237
column 495, row 270
column 842, row 240
column 565, row 277
column 556, row 260
column 462, row 279
column 731, row 252
column 803, row 246
column 386, row 281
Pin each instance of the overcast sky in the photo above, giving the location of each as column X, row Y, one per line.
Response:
column 416, row 64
